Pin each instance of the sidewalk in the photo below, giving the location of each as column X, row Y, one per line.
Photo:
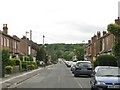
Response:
column 11, row 80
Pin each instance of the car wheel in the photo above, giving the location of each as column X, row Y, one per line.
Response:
column 92, row 88
column 72, row 72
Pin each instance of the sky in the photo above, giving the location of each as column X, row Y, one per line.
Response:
column 60, row 21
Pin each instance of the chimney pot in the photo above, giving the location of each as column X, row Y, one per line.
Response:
column 5, row 28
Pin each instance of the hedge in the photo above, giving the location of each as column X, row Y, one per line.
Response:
column 14, row 62
column 105, row 60
column 8, row 69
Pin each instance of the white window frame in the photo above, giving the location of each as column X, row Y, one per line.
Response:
column 7, row 42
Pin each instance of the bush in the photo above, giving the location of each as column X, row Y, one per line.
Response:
column 105, row 60
column 24, row 65
column 14, row 62
column 8, row 69
column 31, row 67
column 35, row 64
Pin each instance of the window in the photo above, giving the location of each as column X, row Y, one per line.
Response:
column 4, row 42
column 1, row 40
column 7, row 42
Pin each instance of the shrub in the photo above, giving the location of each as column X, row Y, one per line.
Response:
column 105, row 60
column 30, row 67
column 14, row 62
column 8, row 69
column 35, row 64
column 11, row 62
column 24, row 65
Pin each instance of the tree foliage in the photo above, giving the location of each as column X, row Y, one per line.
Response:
column 115, row 30
column 5, row 55
column 80, row 53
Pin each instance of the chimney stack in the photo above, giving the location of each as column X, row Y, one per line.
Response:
column 89, row 41
column 5, row 29
column 98, row 34
column 117, row 21
column 104, row 33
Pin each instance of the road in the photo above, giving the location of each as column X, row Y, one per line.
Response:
column 57, row 76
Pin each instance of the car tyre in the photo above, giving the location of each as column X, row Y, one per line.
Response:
column 92, row 88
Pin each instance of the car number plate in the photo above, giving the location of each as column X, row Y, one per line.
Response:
column 114, row 86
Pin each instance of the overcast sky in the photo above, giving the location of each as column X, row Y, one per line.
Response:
column 60, row 21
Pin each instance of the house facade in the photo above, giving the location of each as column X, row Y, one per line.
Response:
column 100, row 44
column 7, row 42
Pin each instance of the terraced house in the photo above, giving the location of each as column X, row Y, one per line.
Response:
column 100, row 44
column 16, row 46
column 7, row 42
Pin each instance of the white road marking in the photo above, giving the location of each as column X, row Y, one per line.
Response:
column 78, row 83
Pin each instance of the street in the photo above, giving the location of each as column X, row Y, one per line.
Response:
column 57, row 76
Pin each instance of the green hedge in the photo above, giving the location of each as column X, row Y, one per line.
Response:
column 105, row 60
column 29, row 65
column 8, row 69
column 14, row 62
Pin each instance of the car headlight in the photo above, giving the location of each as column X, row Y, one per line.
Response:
column 100, row 83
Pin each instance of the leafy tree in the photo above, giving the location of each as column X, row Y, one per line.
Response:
column 41, row 54
column 115, row 30
column 5, row 55
column 80, row 53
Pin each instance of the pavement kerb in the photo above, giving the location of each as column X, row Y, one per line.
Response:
column 24, row 74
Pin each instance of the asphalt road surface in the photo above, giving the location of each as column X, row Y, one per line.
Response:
column 57, row 76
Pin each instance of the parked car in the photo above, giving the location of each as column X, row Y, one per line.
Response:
column 99, row 67
column 68, row 63
column 73, row 66
column 83, row 68
column 106, row 78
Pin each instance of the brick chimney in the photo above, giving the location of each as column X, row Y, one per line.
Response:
column 89, row 41
column 5, row 29
column 117, row 21
column 98, row 34
column 104, row 33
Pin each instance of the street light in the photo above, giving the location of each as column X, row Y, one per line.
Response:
column 26, row 42
column 43, row 39
column 26, row 49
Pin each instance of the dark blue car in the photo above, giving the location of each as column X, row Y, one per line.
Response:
column 106, row 78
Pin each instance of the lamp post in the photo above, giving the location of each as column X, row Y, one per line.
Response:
column 43, row 39
column 26, row 43
column 26, row 49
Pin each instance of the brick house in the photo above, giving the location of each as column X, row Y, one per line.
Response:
column 8, row 42
column 107, row 42
column 28, row 47
column 94, row 46
column 24, row 45
column 100, row 45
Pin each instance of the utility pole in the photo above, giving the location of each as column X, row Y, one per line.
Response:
column 26, row 43
column 43, row 39
column 31, row 41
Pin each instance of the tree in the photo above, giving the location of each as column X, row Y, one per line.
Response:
column 115, row 30
column 80, row 53
column 5, row 55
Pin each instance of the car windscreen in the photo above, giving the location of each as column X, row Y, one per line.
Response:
column 108, row 72
column 84, row 65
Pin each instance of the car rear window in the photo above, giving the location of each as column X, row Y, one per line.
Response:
column 84, row 64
